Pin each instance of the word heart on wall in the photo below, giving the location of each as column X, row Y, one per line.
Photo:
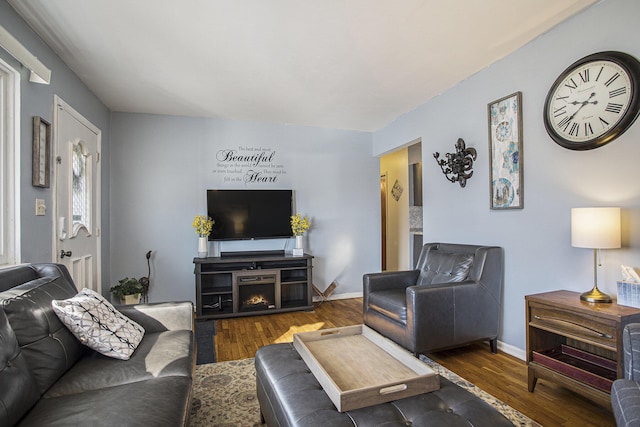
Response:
column 250, row 165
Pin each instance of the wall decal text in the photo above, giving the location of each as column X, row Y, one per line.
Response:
column 250, row 165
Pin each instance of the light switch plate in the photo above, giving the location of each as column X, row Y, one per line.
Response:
column 41, row 208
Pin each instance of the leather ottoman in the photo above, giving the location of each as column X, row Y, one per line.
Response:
column 290, row 395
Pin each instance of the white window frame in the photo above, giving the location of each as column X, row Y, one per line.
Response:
column 9, row 165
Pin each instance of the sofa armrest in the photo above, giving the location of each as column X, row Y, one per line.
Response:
column 164, row 316
column 631, row 351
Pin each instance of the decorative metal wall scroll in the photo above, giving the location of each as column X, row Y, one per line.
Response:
column 458, row 166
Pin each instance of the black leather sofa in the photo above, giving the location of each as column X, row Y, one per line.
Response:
column 48, row 378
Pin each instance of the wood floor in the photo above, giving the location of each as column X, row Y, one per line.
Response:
column 501, row 375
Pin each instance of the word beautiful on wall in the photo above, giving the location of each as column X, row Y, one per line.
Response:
column 250, row 165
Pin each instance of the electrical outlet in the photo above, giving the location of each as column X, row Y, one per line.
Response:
column 41, row 208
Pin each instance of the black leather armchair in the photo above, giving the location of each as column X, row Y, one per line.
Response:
column 452, row 298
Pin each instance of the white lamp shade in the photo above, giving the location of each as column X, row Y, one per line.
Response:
column 595, row 228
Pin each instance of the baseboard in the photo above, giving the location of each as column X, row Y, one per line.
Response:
column 339, row 296
column 512, row 350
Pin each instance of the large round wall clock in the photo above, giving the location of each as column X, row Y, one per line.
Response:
column 593, row 101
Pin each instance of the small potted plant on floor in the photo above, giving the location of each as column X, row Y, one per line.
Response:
column 127, row 291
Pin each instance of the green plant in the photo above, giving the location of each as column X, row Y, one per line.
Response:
column 126, row 286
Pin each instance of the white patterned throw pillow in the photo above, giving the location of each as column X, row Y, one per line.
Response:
column 98, row 325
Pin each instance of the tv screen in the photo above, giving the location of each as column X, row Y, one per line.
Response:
column 250, row 214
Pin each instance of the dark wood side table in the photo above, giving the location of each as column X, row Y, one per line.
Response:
column 575, row 343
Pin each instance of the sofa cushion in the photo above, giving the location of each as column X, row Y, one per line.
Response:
column 445, row 267
column 391, row 303
column 160, row 354
column 47, row 345
column 156, row 402
column 98, row 325
column 625, row 395
column 18, row 390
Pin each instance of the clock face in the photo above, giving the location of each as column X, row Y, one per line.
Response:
column 593, row 101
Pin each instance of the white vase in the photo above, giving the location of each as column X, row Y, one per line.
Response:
column 203, row 249
column 299, row 249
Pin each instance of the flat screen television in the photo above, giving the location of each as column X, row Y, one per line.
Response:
column 250, row 214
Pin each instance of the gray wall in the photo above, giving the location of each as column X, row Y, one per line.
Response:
column 37, row 100
column 162, row 167
column 538, row 252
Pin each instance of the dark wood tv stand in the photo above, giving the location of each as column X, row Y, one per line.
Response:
column 240, row 285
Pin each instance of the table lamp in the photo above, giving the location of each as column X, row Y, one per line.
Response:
column 595, row 228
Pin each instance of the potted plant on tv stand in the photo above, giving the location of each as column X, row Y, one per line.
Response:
column 203, row 225
column 299, row 225
column 127, row 291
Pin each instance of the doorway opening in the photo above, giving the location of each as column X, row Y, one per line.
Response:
column 401, row 198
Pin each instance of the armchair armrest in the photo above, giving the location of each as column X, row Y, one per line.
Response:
column 631, row 351
column 434, row 304
column 386, row 280
column 164, row 316
column 451, row 311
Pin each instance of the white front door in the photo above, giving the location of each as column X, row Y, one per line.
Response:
column 77, row 196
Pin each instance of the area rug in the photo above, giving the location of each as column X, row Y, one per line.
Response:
column 224, row 395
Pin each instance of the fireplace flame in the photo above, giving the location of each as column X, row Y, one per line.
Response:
column 256, row 299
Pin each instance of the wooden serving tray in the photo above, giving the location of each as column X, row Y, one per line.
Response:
column 357, row 367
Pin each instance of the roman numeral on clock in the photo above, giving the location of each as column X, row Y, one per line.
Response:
column 587, row 129
column 564, row 122
column 584, row 75
column 571, row 85
column 560, row 111
column 575, row 129
column 612, row 79
column 613, row 108
column 617, row 92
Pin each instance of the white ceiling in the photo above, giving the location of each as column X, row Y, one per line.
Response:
column 344, row 64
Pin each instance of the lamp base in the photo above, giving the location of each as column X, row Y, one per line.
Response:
column 594, row 295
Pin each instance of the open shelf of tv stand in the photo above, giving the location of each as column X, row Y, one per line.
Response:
column 222, row 285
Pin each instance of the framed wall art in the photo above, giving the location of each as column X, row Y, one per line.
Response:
column 505, row 152
column 41, row 165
